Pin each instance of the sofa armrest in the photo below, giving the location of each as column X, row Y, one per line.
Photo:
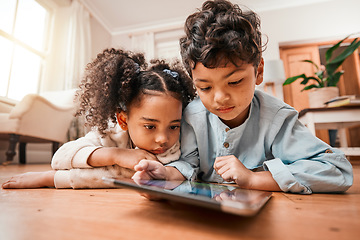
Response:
column 27, row 103
column 7, row 104
column 40, row 118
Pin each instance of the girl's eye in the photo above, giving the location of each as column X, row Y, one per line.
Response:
column 149, row 127
column 235, row 83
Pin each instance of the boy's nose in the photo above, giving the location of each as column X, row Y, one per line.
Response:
column 220, row 96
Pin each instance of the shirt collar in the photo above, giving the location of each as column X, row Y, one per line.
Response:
column 237, row 129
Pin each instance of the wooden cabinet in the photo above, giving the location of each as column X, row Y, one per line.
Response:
column 293, row 66
column 349, row 83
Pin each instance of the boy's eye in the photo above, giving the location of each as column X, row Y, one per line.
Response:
column 204, row 89
column 235, row 83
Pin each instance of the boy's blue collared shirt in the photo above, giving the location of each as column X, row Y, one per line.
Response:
column 271, row 139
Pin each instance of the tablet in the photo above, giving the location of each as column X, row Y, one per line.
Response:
column 225, row 198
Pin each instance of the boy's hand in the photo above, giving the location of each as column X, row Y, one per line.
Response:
column 231, row 169
column 149, row 169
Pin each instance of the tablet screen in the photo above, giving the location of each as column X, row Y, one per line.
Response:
column 226, row 198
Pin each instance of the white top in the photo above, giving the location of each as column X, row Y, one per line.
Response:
column 70, row 160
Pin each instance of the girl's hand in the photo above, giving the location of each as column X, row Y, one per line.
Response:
column 231, row 169
column 129, row 158
column 149, row 169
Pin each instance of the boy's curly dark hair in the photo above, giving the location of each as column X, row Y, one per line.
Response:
column 221, row 30
column 118, row 78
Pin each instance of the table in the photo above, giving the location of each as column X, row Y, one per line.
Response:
column 333, row 118
column 124, row 214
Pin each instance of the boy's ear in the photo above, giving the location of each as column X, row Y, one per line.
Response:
column 121, row 118
column 260, row 72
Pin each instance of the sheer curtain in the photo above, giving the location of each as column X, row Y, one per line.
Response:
column 69, row 53
column 70, row 48
column 78, row 46
column 78, row 54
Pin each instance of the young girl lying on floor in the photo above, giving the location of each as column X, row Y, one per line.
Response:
column 135, row 114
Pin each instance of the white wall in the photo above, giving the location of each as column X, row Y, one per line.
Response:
column 324, row 21
column 121, row 41
column 330, row 20
column 100, row 38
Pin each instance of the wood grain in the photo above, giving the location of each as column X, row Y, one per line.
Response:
column 124, row 214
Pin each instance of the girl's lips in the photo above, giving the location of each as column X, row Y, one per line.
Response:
column 225, row 109
column 158, row 151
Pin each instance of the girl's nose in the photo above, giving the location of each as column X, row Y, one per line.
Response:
column 162, row 138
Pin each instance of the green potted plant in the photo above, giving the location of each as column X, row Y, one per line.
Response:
column 326, row 76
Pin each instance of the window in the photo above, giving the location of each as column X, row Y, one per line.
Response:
column 24, row 32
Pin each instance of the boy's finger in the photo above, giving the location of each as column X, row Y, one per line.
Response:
column 222, row 158
column 219, row 164
column 228, row 176
column 223, row 169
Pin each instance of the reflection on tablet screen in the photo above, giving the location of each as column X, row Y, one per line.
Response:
column 225, row 198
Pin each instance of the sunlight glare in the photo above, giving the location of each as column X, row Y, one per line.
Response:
column 5, row 63
column 25, row 73
column 30, row 23
column 7, row 11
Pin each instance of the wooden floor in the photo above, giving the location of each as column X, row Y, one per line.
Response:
column 124, row 214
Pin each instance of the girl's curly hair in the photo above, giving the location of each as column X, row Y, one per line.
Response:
column 221, row 30
column 118, row 78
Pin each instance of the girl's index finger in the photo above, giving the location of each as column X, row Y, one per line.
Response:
column 146, row 165
column 142, row 165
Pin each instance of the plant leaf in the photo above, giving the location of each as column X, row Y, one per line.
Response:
column 310, row 87
column 330, row 51
column 293, row 79
column 306, row 80
column 334, row 64
column 317, row 79
column 334, row 79
column 309, row 61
